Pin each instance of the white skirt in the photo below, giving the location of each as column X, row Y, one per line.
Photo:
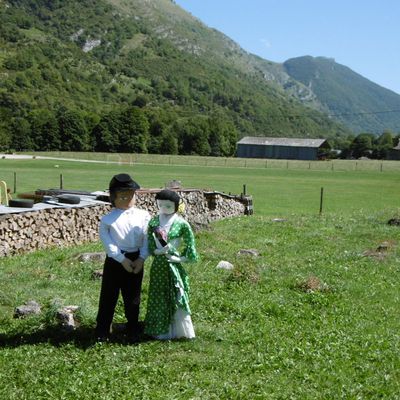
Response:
column 181, row 327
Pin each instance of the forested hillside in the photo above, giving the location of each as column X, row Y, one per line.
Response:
column 135, row 76
column 355, row 101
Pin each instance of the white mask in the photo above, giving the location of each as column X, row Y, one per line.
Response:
column 166, row 206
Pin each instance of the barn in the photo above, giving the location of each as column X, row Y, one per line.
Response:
column 284, row 148
column 394, row 154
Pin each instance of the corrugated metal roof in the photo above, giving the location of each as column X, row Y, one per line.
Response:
column 274, row 141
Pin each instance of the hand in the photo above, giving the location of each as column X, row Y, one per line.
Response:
column 175, row 259
column 137, row 265
column 162, row 250
column 127, row 264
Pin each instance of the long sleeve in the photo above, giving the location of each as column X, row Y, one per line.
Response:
column 151, row 243
column 144, row 248
column 110, row 247
column 189, row 250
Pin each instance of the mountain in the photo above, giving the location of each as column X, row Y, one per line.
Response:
column 351, row 99
column 70, row 70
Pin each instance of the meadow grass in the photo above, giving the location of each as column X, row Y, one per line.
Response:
column 275, row 191
column 314, row 316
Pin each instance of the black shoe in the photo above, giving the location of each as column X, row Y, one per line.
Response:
column 101, row 336
column 133, row 338
column 102, row 339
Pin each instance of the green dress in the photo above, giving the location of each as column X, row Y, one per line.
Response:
column 169, row 282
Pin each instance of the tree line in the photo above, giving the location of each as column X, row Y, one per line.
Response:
column 366, row 145
column 124, row 130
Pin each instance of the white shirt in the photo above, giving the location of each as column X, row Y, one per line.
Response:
column 124, row 231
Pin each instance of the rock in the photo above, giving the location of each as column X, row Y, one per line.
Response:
column 384, row 246
column 66, row 317
column 29, row 308
column 278, row 220
column 97, row 274
column 174, row 184
column 225, row 265
column 250, row 252
column 92, row 257
column 394, row 221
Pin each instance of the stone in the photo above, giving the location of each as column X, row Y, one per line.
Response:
column 92, row 257
column 250, row 252
column 66, row 317
column 225, row 265
column 97, row 274
column 29, row 308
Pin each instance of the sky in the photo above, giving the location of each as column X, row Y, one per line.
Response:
column 363, row 35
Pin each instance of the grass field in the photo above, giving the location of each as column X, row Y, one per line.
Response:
column 275, row 191
column 314, row 316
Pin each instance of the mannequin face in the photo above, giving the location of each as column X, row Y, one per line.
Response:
column 166, row 207
column 125, row 199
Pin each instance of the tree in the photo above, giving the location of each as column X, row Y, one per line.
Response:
column 193, row 136
column 4, row 138
column 223, row 135
column 362, row 145
column 162, row 139
column 134, row 134
column 44, row 130
column 73, row 132
column 169, row 143
column 21, row 135
column 107, row 133
column 383, row 144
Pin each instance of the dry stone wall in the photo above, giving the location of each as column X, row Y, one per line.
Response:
column 33, row 230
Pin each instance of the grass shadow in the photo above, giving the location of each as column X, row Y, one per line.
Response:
column 82, row 337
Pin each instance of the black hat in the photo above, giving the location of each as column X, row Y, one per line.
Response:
column 169, row 195
column 122, row 182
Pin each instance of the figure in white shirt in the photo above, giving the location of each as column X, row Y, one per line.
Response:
column 123, row 233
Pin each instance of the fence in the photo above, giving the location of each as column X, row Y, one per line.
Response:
column 228, row 162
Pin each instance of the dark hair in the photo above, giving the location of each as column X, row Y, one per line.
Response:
column 169, row 195
column 121, row 182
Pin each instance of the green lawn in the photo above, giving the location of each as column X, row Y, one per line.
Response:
column 260, row 333
column 275, row 191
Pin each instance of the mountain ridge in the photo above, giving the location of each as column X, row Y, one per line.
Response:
column 91, row 59
column 355, row 101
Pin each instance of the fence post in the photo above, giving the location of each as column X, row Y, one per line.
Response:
column 15, row 182
column 321, row 200
column 61, row 181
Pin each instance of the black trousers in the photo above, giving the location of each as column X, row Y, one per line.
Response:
column 116, row 279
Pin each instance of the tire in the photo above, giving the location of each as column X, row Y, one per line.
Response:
column 21, row 203
column 68, row 199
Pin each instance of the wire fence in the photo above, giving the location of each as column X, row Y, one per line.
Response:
column 228, row 162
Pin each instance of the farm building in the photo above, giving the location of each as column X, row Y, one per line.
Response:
column 394, row 154
column 286, row 148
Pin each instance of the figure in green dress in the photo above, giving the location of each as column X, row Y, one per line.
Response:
column 171, row 242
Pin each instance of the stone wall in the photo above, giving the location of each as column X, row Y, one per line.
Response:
column 33, row 230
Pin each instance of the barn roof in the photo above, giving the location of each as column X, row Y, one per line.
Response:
column 397, row 147
column 274, row 141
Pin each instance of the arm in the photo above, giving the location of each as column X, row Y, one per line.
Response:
column 110, row 247
column 189, row 253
